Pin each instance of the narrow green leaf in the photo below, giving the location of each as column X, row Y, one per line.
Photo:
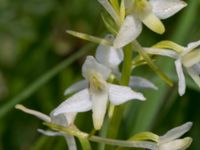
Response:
column 28, row 91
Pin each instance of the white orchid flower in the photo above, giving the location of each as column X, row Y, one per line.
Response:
column 189, row 57
column 96, row 94
column 112, row 58
column 64, row 119
column 109, row 56
column 143, row 11
column 170, row 141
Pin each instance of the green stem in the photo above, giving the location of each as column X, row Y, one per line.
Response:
column 83, row 135
column 126, row 68
column 139, row 49
column 116, row 119
column 42, row 80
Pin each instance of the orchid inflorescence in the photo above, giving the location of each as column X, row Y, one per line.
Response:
column 106, row 83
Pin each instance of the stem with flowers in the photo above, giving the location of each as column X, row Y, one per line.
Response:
column 104, row 84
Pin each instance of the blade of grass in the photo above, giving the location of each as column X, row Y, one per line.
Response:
column 28, row 91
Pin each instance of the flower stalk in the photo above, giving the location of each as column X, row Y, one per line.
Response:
column 121, row 143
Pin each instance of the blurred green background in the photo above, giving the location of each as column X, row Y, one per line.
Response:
column 38, row 60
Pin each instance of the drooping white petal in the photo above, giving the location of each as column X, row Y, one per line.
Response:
column 194, row 75
column 108, row 7
column 49, row 133
column 121, row 94
column 166, row 8
column 190, row 47
column 180, row 144
column 181, row 77
column 175, row 133
column 76, row 87
column 129, row 31
column 34, row 113
column 109, row 56
column 99, row 103
column 79, row 102
column 162, row 52
column 91, row 66
column 70, row 142
column 139, row 82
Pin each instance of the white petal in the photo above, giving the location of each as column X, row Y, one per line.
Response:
column 153, row 23
column 162, row 52
column 99, row 104
column 34, row 113
column 191, row 58
column 64, row 119
column 181, row 77
column 109, row 56
column 70, row 117
column 196, row 68
column 166, row 8
column 76, row 87
column 108, row 7
column 139, row 82
column 70, row 142
column 190, row 47
column 194, row 75
column 49, row 133
column 175, row 132
column 59, row 120
column 121, row 94
column 180, row 144
column 129, row 31
column 79, row 102
column 92, row 66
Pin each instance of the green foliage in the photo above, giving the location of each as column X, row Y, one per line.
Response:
column 33, row 41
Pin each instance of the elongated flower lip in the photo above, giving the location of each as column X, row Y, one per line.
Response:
column 181, row 77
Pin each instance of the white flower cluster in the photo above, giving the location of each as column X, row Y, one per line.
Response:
column 97, row 89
